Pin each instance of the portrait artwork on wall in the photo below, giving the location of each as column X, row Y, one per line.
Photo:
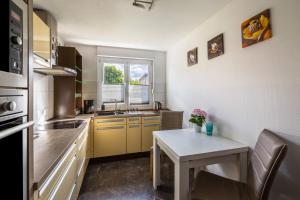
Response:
column 215, row 46
column 192, row 57
column 256, row 29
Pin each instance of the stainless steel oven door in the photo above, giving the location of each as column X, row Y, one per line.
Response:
column 8, row 79
column 14, row 156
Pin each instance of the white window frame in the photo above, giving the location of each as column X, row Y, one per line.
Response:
column 126, row 61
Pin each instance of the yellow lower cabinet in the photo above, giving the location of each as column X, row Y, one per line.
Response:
column 134, row 138
column 109, row 140
column 147, row 138
column 65, row 186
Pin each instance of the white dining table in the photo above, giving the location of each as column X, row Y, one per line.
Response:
column 189, row 149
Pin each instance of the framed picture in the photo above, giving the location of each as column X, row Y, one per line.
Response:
column 215, row 46
column 256, row 29
column 192, row 57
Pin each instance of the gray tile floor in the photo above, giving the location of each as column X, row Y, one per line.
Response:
column 125, row 180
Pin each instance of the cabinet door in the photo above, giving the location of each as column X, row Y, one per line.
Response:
column 109, row 140
column 134, row 138
column 147, row 138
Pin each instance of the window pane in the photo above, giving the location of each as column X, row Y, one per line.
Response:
column 138, row 84
column 139, row 74
column 113, row 73
column 112, row 92
column 139, row 94
column 113, row 83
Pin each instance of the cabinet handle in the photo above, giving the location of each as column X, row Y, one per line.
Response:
column 134, row 126
column 133, row 119
column 110, row 128
column 113, row 120
column 151, row 125
column 151, row 118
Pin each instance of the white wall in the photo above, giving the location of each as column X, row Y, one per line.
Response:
column 248, row 89
column 43, row 97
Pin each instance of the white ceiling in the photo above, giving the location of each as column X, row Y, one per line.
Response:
column 118, row 23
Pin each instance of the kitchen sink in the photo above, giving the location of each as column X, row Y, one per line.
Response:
column 69, row 124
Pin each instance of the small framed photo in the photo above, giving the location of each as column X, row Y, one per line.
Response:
column 192, row 57
column 215, row 46
column 256, row 29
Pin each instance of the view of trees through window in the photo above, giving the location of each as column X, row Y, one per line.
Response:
column 113, row 75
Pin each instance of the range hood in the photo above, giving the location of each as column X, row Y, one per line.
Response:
column 56, row 71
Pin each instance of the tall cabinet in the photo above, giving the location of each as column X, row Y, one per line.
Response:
column 68, row 90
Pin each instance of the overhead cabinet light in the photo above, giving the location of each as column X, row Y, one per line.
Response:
column 56, row 71
column 143, row 4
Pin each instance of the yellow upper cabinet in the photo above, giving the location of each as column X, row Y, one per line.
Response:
column 41, row 38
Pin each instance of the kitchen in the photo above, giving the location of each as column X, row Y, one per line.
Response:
column 100, row 99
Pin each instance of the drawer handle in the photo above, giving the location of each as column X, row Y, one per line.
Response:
column 151, row 118
column 110, row 128
column 151, row 125
column 133, row 119
column 134, row 126
column 114, row 120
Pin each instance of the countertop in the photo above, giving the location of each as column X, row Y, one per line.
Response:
column 50, row 146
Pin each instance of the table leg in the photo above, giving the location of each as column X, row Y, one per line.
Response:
column 243, row 166
column 181, row 182
column 156, row 164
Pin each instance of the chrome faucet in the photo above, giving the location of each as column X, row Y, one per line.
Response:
column 116, row 106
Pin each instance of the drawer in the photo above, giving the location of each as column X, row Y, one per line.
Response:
column 134, row 120
column 66, row 183
column 83, row 134
column 151, row 119
column 82, row 153
column 80, row 175
column 47, row 187
column 110, row 121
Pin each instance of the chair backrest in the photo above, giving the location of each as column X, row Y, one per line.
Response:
column 267, row 155
column 171, row 120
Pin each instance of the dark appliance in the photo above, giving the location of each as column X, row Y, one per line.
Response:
column 89, row 106
column 13, row 144
column 14, row 44
column 157, row 105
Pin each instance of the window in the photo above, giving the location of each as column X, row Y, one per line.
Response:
column 126, row 81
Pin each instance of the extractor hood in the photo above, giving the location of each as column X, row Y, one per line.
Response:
column 56, row 70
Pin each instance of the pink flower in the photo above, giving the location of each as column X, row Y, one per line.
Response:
column 199, row 112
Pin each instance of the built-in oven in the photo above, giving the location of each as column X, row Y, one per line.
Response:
column 14, row 44
column 14, row 144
